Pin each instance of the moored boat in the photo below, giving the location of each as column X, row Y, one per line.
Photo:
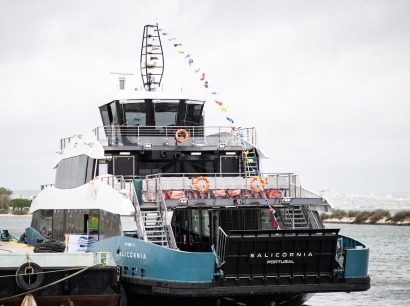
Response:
column 209, row 223
column 46, row 275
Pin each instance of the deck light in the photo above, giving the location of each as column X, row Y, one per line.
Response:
column 125, row 153
column 230, row 153
column 183, row 201
column 286, row 200
column 196, row 153
column 221, row 146
column 147, row 146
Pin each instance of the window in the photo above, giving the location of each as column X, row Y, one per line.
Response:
column 165, row 112
column 135, row 113
column 193, row 112
column 74, row 171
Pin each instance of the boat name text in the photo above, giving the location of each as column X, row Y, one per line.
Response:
column 280, row 257
column 131, row 254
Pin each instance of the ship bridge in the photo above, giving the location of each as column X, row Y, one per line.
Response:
column 153, row 112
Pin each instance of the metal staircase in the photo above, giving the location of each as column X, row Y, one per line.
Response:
column 154, row 226
column 294, row 218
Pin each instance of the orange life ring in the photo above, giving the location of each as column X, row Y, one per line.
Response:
column 257, row 187
column 206, row 186
column 181, row 138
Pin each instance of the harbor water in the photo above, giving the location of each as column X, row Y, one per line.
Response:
column 389, row 263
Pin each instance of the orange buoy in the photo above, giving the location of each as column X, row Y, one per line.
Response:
column 198, row 183
column 181, row 135
column 257, row 184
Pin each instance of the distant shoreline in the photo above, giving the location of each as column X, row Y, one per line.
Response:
column 378, row 216
column 12, row 216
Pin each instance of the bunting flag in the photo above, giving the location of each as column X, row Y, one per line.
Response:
column 274, row 221
column 190, row 62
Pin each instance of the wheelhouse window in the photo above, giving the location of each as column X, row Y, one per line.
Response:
column 135, row 113
column 165, row 112
column 193, row 112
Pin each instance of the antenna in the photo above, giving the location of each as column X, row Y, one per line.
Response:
column 152, row 58
column 121, row 78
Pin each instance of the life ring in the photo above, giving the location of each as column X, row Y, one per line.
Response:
column 181, row 138
column 206, row 186
column 29, row 276
column 255, row 186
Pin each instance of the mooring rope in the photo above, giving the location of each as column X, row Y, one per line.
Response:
column 51, row 284
column 43, row 272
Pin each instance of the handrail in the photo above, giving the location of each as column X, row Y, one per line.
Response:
column 132, row 135
column 168, row 229
column 221, row 245
column 118, row 183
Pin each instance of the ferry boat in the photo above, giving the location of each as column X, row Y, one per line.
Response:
column 208, row 222
column 49, row 275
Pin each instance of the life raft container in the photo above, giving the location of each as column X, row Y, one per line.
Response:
column 275, row 194
column 175, row 194
column 219, row 193
column 234, row 192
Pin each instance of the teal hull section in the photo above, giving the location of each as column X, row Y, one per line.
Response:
column 356, row 260
column 143, row 259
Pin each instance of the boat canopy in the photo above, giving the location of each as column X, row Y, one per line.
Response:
column 93, row 195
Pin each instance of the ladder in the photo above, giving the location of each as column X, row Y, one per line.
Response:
column 250, row 162
column 154, row 226
column 294, row 218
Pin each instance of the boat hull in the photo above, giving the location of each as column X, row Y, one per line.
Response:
column 95, row 286
column 262, row 266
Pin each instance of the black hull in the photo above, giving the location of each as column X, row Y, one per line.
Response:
column 77, row 300
column 291, row 294
column 283, row 300
column 96, row 286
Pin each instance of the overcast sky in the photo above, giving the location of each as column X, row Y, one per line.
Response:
column 325, row 83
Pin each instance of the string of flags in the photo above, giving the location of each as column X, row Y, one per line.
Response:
column 202, row 78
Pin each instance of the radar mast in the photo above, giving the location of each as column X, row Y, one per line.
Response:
column 152, row 58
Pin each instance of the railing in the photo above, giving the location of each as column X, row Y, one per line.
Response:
column 126, row 187
column 221, row 245
column 167, row 228
column 139, row 135
column 286, row 183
